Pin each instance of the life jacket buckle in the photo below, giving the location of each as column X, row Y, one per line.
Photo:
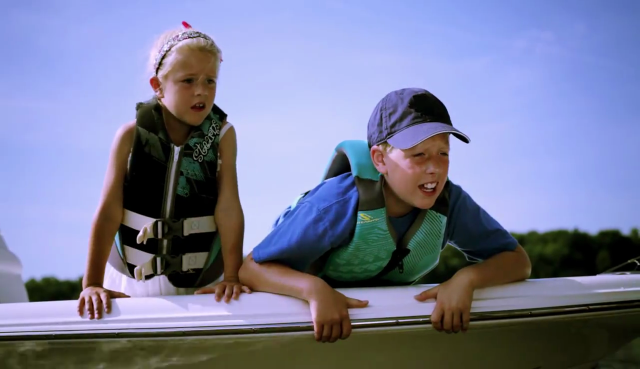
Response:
column 167, row 264
column 168, row 228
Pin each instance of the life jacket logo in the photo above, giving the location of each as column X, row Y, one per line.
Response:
column 365, row 218
column 201, row 150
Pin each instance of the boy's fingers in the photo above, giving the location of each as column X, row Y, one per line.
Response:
column 246, row 289
column 317, row 330
column 431, row 293
column 355, row 303
column 466, row 317
column 436, row 318
column 456, row 323
column 326, row 332
column 448, row 318
column 336, row 332
column 346, row 328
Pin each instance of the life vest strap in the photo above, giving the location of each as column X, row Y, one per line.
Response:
column 147, row 263
column 162, row 228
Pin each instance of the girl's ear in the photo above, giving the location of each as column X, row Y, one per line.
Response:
column 378, row 158
column 155, row 85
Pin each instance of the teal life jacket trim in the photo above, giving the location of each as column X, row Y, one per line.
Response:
column 375, row 255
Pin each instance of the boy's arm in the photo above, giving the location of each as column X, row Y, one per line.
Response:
column 278, row 278
column 109, row 213
column 321, row 221
column 482, row 238
column 504, row 267
column 279, row 263
column 228, row 214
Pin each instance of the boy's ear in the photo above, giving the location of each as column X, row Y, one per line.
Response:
column 155, row 85
column 378, row 159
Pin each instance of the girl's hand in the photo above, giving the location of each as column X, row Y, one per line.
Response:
column 94, row 298
column 229, row 287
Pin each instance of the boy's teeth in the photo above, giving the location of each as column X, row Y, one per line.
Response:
column 430, row 186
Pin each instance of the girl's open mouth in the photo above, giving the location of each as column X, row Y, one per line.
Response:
column 198, row 107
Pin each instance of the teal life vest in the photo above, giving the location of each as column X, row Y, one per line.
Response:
column 169, row 199
column 375, row 256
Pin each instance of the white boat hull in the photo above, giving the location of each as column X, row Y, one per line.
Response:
column 555, row 323
column 12, row 287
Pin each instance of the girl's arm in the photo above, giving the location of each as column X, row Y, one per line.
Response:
column 109, row 214
column 229, row 215
column 94, row 298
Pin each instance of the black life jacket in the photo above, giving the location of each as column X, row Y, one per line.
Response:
column 170, row 196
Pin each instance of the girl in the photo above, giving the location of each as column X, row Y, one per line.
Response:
column 170, row 221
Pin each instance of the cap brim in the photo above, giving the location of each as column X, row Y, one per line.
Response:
column 410, row 137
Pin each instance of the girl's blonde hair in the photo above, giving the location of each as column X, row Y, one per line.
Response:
column 164, row 50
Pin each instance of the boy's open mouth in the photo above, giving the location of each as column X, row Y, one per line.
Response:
column 198, row 107
column 428, row 187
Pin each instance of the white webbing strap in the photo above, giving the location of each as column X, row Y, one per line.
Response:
column 144, row 261
column 145, row 224
column 222, row 132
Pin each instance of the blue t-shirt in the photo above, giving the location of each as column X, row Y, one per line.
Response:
column 326, row 218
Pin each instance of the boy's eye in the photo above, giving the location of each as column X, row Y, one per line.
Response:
column 444, row 153
column 188, row 80
column 211, row 81
column 418, row 155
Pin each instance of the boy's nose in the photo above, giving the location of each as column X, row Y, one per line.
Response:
column 432, row 168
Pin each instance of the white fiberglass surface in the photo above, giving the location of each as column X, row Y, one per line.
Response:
column 11, row 284
column 185, row 312
column 544, row 343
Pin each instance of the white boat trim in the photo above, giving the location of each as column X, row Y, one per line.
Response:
column 556, row 323
column 269, row 313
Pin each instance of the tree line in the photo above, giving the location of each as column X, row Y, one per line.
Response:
column 558, row 253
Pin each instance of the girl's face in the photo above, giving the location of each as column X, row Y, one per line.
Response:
column 189, row 87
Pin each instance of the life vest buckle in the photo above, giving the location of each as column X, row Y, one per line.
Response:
column 167, row 264
column 168, row 228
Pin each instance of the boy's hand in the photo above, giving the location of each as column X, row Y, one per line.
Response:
column 94, row 298
column 453, row 304
column 329, row 311
column 229, row 287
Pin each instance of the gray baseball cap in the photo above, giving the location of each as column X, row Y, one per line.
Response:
column 406, row 117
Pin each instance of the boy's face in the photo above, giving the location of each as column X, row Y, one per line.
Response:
column 415, row 176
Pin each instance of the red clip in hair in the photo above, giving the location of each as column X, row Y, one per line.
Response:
column 188, row 26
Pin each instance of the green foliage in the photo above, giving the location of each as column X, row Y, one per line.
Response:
column 53, row 289
column 560, row 253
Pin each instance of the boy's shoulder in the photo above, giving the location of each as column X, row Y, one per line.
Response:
column 322, row 220
column 331, row 191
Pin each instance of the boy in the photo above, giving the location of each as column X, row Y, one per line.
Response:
column 381, row 217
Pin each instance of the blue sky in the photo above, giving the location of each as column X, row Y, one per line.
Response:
column 547, row 91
